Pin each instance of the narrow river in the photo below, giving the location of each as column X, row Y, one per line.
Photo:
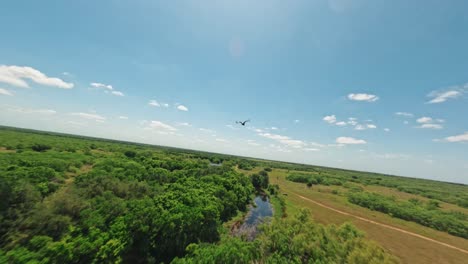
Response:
column 256, row 216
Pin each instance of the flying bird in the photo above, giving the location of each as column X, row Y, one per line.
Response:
column 242, row 122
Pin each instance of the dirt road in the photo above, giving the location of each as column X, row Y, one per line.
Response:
column 383, row 225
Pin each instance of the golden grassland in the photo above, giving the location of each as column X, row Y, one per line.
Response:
column 408, row 248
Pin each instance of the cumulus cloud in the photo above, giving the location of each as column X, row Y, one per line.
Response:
column 154, row 103
column 89, row 116
column 101, row 86
column 431, row 126
column 424, row 120
column 404, row 114
column 430, row 123
column 285, row 140
column 107, row 88
column 458, row 138
column 16, row 75
column 330, row 119
column 443, row 95
column 341, row 123
column 371, row 126
column 117, row 93
column 182, row 108
column 352, row 121
column 363, row 97
column 5, row 92
column 350, row 141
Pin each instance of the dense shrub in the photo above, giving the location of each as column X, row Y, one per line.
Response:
column 453, row 223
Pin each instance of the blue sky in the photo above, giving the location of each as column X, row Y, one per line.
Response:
column 368, row 85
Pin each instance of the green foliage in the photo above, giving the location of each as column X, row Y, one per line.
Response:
column 298, row 240
column 40, row 147
column 260, row 180
column 453, row 223
column 130, row 154
column 82, row 201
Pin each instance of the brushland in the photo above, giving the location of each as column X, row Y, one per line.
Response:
column 71, row 199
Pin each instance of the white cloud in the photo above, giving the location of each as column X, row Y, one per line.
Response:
column 371, row 126
column 424, row 120
column 386, row 129
column 15, row 75
column 232, row 127
column 221, row 140
column 117, row 93
column 363, row 97
column 440, row 97
column 294, row 143
column 206, row 130
column 352, row 122
column 32, row 111
column 430, row 123
column 165, row 105
column 458, row 138
column 350, row 141
column 160, row 126
column 297, row 121
column 330, row 119
column 101, row 86
column 341, row 123
column 431, row 126
column 183, row 124
column 5, row 92
column 154, row 103
column 89, row 116
column 360, row 127
column 273, row 136
column 107, row 88
column 274, row 128
column 123, row 117
column 405, row 114
column 182, row 108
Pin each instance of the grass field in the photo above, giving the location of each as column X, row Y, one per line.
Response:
column 408, row 248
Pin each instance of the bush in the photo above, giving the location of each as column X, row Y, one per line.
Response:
column 40, row 147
